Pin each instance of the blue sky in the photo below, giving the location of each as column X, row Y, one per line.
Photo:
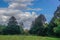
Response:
column 3, row 4
column 27, row 10
column 48, row 6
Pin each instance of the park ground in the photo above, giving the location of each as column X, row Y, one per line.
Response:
column 20, row 37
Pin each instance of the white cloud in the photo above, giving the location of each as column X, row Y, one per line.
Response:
column 18, row 0
column 16, row 8
column 25, row 17
column 19, row 4
column 35, row 9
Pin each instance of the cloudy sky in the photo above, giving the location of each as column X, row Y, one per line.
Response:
column 26, row 10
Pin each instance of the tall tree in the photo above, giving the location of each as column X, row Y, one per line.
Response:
column 52, row 23
column 12, row 27
column 38, row 25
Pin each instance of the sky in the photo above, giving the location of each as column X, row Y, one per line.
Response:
column 27, row 10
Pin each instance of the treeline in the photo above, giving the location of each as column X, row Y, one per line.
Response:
column 12, row 28
column 39, row 27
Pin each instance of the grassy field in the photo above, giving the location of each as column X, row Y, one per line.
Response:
column 15, row 37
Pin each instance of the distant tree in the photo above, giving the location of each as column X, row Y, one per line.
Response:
column 21, row 24
column 38, row 25
column 1, row 28
column 26, row 32
column 13, row 27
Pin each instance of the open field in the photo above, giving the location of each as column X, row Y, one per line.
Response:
column 18, row 37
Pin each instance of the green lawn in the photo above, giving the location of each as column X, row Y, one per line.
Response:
column 15, row 37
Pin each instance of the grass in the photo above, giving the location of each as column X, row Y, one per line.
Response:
column 20, row 37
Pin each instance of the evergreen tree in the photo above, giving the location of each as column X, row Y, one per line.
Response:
column 38, row 25
column 12, row 27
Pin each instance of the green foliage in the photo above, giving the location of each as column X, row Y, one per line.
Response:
column 1, row 28
column 51, row 26
column 11, row 30
column 54, row 22
column 13, row 27
column 57, row 28
column 38, row 25
column 57, row 21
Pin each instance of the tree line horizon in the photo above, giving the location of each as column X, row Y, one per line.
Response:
column 38, row 27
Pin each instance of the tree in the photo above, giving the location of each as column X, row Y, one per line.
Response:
column 52, row 23
column 57, row 28
column 13, row 27
column 38, row 25
column 1, row 28
column 57, row 12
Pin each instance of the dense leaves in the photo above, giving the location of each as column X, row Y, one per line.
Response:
column 1, row 28
column 57, row 28
column 38, row 25
column 13, row 27
column 54, row 24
